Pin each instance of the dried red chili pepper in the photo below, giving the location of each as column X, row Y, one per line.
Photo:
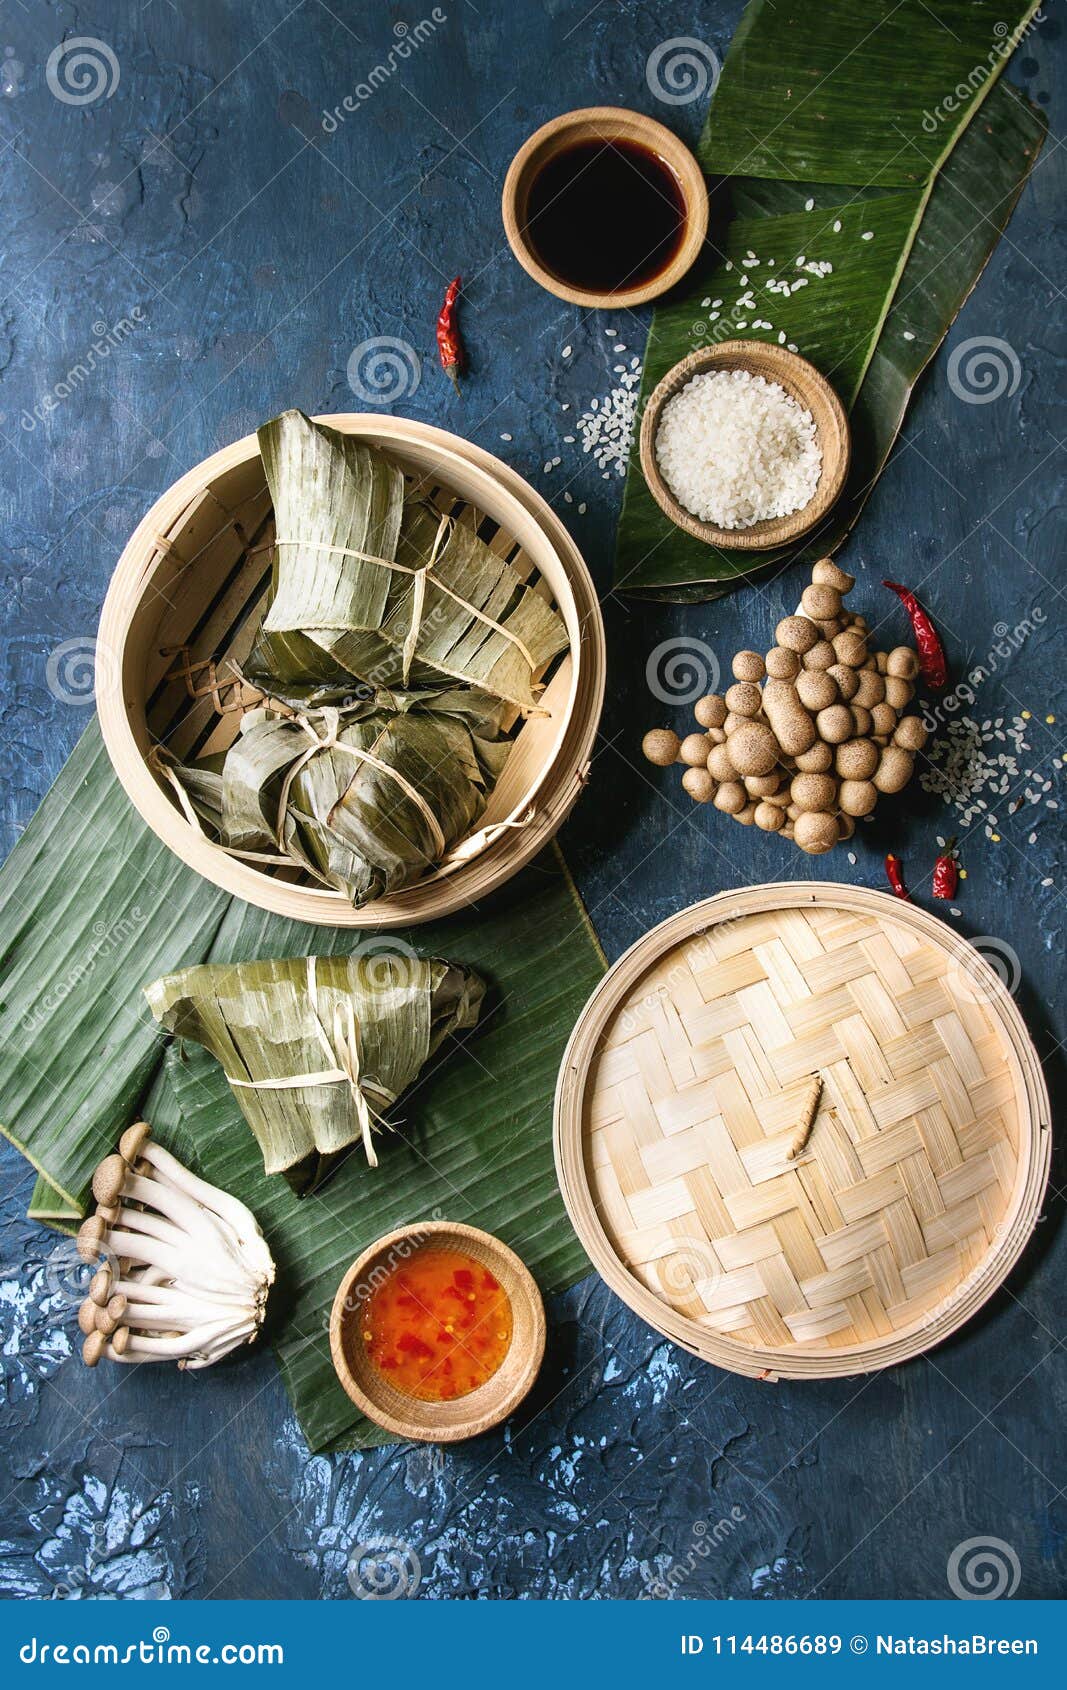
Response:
column 894, row 870
column 931, row 652
column 947, row 872
column 450, row 347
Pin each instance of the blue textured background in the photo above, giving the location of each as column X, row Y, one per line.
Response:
column 261, row 251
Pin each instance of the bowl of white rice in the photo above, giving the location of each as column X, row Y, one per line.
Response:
column 745, row 445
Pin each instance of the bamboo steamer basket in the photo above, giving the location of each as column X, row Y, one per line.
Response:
column 678, row 1104
column 186, row 601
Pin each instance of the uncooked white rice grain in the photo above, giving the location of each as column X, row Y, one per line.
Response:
column 736, row 449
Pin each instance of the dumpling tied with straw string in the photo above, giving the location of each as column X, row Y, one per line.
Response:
column 371, row 583
column 318, row 1049
column 367, row 798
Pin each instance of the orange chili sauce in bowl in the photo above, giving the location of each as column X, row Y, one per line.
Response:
column 438, row 1325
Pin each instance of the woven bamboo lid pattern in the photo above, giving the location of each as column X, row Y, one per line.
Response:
column 678, row 1109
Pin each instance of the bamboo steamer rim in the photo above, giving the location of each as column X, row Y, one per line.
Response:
column 971, row 1292
column 560, row 779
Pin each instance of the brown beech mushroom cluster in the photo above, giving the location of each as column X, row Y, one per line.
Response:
column 185, row 1270
column 810, row 735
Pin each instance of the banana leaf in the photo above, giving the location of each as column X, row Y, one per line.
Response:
column 855, row 92
column 942, row 254
column 91, row 902
column 51, row 1208
column 476, row 1146
column 368, row 798
column 357, row 1030
column 334, row 613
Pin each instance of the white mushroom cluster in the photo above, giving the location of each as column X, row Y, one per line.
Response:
column 185, row 1271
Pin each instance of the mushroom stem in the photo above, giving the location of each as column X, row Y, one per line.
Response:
column 186, row 1272
column 191, row 1217
column 200, row 1340
column 221, row 1203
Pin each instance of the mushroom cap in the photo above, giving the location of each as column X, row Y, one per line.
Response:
column 93, row 1348
column 825, row 573
column 744, row 699
column 857, row 797
column 816, row 760
column 694, row 749
column 720, row 763
column 902, row 663
column 105, row 1322
column 763, row 786
column 820, row 601
column 821, row 656
column 748, row 815
column 710, row 711
column 731, row 798
column 748, row 666
column 781, row 663
column 699, row 784
column 857, row 759
column 660, row 746
column 90, row 1239
column 848, row 681
column 835, row 724
column 851, row 648
column 769, row 818
column 87, row 1317
column 109, row 1179
column 816, row 689
column 796, row 633
column 814, row 792
column 898, row 692
column 133, row 1140
column 100, row 1284
column 883, row 719
column 894, row 770
column 120, row 1340
column 815, row 832
column 910, row 733
column 754, row 750
column 870, row 689
column 862, row 720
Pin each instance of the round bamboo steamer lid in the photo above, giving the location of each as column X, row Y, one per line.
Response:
column 188, row 593
column 678, row 1104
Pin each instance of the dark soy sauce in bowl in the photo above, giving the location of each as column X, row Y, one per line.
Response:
column 605, row 216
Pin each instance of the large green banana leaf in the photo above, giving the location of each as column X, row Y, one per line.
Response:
column 895, row 314
column 855, row 90
column 475, row 1140
column 91, row 904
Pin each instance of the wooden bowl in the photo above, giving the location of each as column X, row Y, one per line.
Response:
column 464, row 1417
column 189, row 593
column 677, row 1109
column 810, row 389
column 608, row 123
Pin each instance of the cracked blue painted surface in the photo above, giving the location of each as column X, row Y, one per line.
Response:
column 261, row 250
